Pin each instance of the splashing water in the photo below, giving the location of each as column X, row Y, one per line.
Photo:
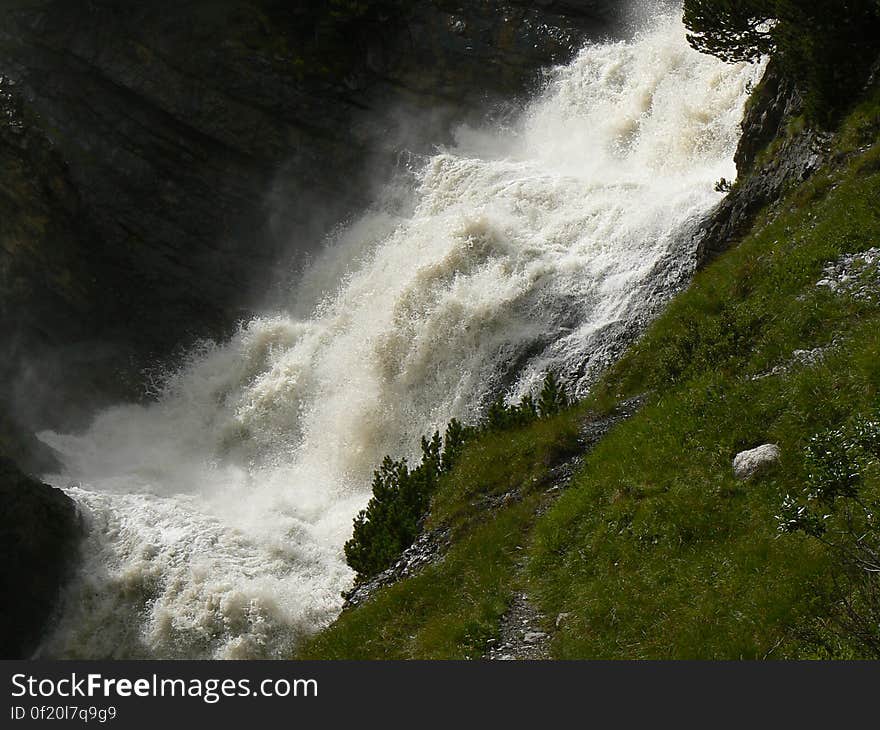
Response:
column 217, row 515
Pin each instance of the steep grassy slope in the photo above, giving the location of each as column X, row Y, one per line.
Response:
column 453, row 608
column 655, row 551
column 658, row 552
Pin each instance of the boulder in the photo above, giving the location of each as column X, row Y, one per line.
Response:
column 39, row 535
column 749, row 463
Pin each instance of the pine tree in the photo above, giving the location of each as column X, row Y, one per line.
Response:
column 431, row 452
column 733, row 30
column 402, row 496
column 498, row 416
column 552, row 398
column 453, row 443
column 826, row 47
column 525, row 412
column 375, row 542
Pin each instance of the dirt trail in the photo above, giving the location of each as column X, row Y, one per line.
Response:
column 523, row 632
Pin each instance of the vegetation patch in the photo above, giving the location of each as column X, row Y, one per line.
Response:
column 452, row 608
column 396, row 513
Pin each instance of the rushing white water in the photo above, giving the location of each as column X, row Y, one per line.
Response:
column 217, row 515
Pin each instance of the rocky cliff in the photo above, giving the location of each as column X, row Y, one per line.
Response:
column 39, row 532
column 778, row 150
column 160, row 159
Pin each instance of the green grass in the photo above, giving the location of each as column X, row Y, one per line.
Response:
column 656, row 551
column 451, row 609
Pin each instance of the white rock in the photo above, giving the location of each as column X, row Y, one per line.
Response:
column 749, row 463
column 533, row 637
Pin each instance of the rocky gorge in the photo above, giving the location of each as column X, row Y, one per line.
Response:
column 164, row 158
column 169, row 169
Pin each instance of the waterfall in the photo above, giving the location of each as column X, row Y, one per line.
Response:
column 217, row 514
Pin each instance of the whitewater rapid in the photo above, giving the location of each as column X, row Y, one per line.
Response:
column 217, row 514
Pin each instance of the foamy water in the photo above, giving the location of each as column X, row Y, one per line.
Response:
column 217, row 515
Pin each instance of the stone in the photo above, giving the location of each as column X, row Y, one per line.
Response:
column 747, row 464
column 428, row 548
column 761, row 181
column 39, row 535
column 854, row 275
column 533, row 637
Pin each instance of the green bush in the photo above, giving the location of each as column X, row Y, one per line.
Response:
column 401, row 496
column 838, row 508
column 393, row 516
column 553, row 398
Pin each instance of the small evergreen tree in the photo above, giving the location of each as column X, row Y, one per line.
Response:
column 552, row 398
column 375, row 541
column 454, row 441
column 526, row 411
column 401, row 497
column 432, row 452
column 498, row 415
column 393, row 517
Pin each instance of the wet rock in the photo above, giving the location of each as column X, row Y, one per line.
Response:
column 428, row 549
column 748, row 464
column 39, row 533
column 769, row 162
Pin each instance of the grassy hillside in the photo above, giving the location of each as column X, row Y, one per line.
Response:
column 654, row 550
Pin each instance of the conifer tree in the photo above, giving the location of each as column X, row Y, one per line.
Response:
column 826, row 47
column 552, row 398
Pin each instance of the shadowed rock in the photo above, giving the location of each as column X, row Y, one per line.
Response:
column 39, row 532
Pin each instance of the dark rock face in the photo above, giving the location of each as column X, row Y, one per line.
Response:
column 428, row 548
column 39, row 531
column 772, row 156
column 49, row 296
column 164, row 155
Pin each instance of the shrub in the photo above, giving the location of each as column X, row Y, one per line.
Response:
column 553, row 397
column 401, row 497
column 834, row 509
column 392, row 519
